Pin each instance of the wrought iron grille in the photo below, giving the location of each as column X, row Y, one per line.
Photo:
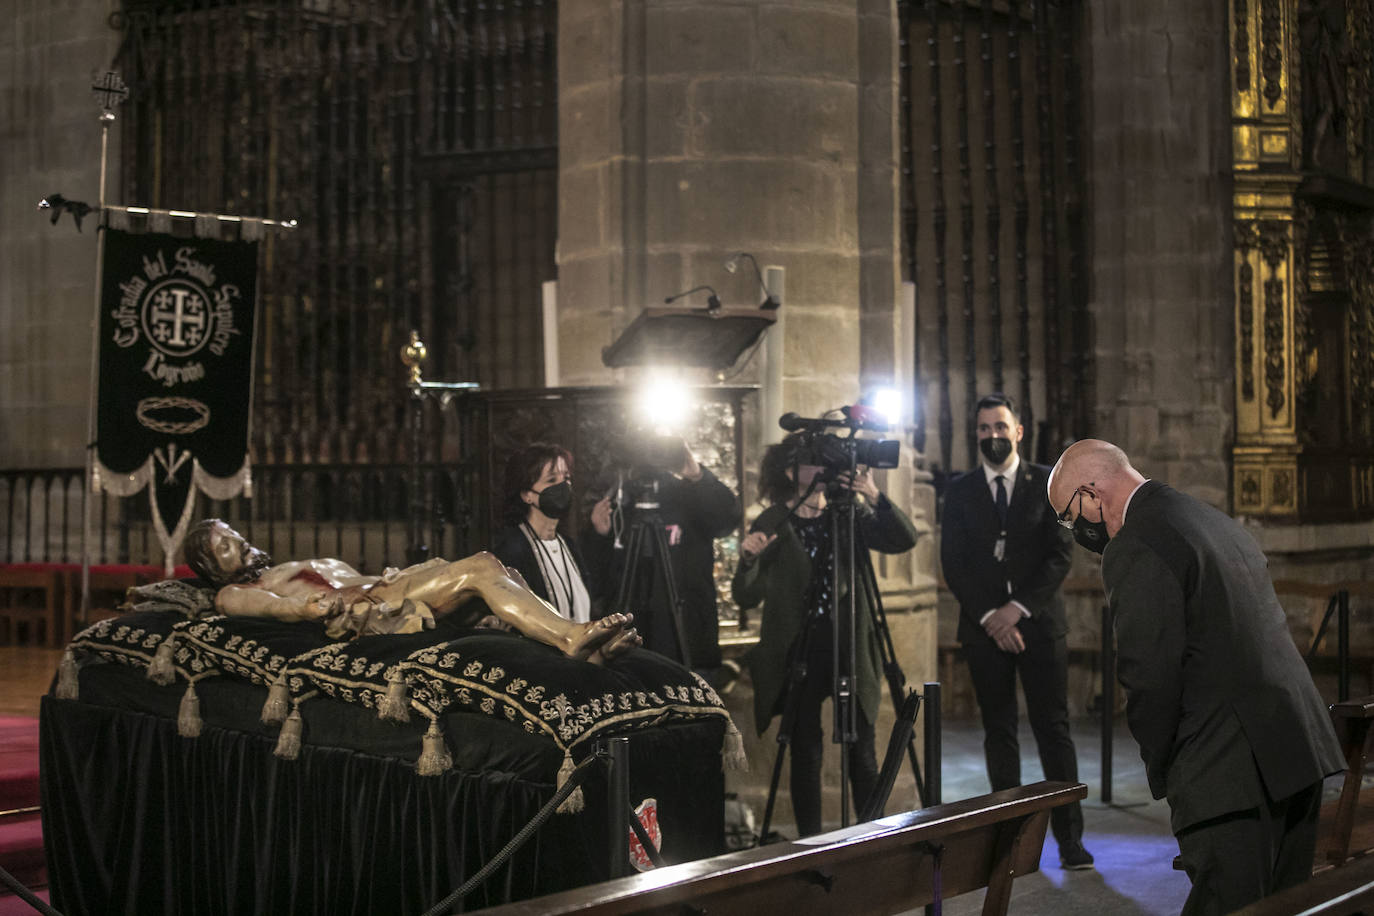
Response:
column 416, row 144
column 993, row 228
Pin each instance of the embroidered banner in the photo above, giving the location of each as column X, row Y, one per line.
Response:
column 176, row 373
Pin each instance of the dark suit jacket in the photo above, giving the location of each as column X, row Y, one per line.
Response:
column 1218, row 697
column 1036, row 556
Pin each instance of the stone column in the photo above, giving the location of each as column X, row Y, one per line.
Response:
column 1161, row 248
column 690, row 131
column 47, row 273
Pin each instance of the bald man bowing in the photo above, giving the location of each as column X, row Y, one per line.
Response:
column 1230, row 725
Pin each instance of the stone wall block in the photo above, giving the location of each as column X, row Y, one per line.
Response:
column 815, row 42
column 590, row 42
column 697, row 39
column 581, row 338
column 586, row 287
column 788, row 118
column 819, row 277
column 822, row 341
column 674, row 118
column 789, row 203
column 583, row 228
column 589, row 121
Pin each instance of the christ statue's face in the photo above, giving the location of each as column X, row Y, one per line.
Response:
column 236, row 559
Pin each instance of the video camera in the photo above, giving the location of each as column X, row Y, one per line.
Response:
column 644, row 460
column 834, row 454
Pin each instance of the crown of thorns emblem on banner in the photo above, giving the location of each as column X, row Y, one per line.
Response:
column 147, row 409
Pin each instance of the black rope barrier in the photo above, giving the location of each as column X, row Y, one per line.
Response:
column 574, row 782
column 25, row 894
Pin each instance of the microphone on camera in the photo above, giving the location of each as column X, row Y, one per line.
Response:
column 793, row 421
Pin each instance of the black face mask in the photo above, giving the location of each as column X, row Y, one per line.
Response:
column 555, row 501
column 1091, row 535
column 996, row 449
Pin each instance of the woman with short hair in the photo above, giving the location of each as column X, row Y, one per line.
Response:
column 537, row 496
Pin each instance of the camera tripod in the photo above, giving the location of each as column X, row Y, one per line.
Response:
column 847, row 547
column 646, row 540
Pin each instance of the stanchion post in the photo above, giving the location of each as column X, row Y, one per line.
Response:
column 1108, row 711
column 1343, row 645
column 617, row 803
column 934, row 749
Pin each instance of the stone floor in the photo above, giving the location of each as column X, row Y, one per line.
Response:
column 1130, row 838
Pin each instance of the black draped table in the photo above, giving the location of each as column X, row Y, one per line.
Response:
column 140, row 816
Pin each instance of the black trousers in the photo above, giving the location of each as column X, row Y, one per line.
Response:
column 1044, row 671
column 1236, row 859
column 808, row 737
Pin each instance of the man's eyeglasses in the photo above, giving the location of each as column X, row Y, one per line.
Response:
column 1066, row 518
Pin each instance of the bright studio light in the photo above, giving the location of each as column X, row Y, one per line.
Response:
column 888, row 402
column 664, row 402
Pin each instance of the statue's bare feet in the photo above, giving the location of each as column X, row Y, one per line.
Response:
column 592, row 636
column 628, row 639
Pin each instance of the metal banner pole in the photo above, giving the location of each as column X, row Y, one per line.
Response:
column 110, row 90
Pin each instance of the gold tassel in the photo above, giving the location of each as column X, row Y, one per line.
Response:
column 394, row 705
column 434, row 755
column 188, row 715
column 733, row 751
column 278, row 700
column 289, row 741
column 574, row 802
column 160, row 670
column 67, row 687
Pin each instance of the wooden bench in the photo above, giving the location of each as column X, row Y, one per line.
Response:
column 34, row 596
column 1335, row 892
column 46, row 597
column 885, row 866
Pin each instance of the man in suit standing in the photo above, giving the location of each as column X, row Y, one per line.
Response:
column 1230, row 725
column 1004, row 557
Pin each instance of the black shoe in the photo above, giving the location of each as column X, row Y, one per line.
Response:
column 1075, row 857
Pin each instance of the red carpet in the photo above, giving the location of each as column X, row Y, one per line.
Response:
column 21, row 833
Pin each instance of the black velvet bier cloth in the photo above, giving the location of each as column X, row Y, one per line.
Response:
column 141, row 820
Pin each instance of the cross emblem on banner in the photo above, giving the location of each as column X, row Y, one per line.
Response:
column 178, row 317
column 109, row 90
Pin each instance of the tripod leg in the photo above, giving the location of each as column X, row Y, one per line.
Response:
column 772, row 791
column 892, row 669
column 788, row 722
column 628, row 573
column 901, row 735
column 665, row 566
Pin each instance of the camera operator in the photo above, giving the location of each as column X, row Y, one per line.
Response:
column 786, row 562
column 669, row 489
